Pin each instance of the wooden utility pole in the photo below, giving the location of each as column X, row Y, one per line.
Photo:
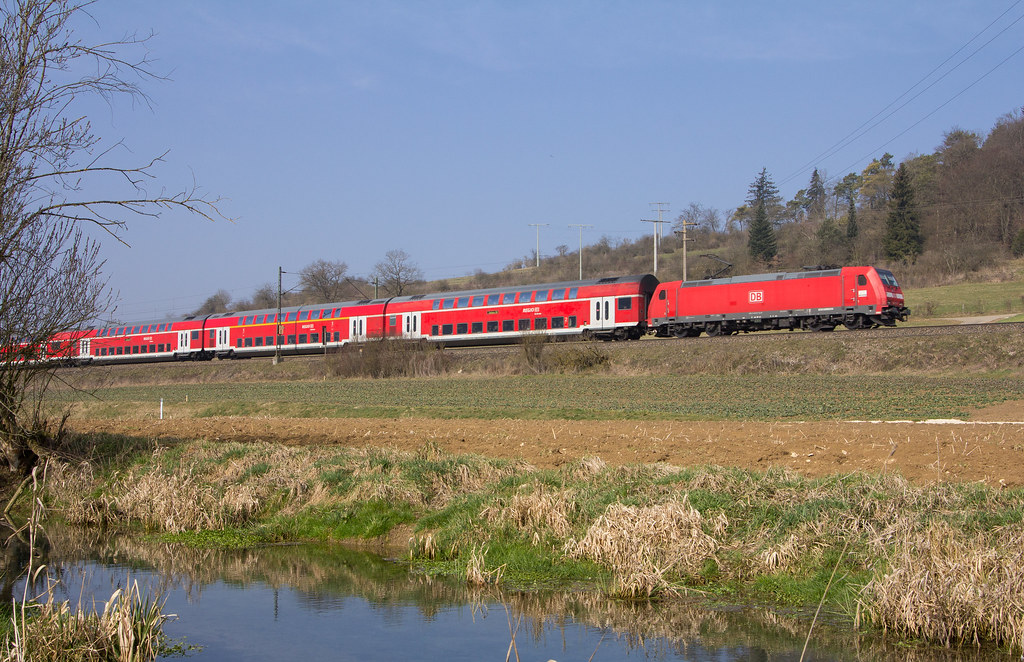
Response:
column 685, row 224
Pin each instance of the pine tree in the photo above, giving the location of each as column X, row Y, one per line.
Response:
column 903, row 240
column 816, row 197
column 851, row 220
column 762, row 242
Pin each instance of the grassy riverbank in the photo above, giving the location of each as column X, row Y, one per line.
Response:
column 635, row 531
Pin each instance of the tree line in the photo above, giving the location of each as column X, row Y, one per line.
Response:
column 324, row 281
column 936, row 216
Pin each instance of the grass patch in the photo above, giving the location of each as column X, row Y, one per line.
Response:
column 610, row 397
column 640, row 531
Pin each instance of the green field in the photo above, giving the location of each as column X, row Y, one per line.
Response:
column 686, row 397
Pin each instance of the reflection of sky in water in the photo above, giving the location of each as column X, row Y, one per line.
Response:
column 354, row 606
column 253, row 621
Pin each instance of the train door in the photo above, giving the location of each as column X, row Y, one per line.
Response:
column 604, row 313
column 83, row 347
column 182, row 341
column 357, row 329
column 223, row 340
column 411, row 328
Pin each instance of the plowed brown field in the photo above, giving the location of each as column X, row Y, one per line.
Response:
column 990, row 448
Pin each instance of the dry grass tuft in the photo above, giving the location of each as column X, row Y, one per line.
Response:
column 128, row 630
column 477, row 573
column 644, row 545
column 943, row 588
column 538, row 511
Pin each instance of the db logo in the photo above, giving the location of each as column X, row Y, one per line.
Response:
column 757, row 296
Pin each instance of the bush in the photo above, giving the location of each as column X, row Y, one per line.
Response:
column 1017, row 245
column 384, row 358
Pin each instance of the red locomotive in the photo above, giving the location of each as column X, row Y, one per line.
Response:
column 856, row 297
column 616, row 308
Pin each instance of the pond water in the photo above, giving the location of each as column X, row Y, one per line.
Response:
column 333, row 603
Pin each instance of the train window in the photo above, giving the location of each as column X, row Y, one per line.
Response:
column 557, row 322
column 258, row 341
column 161, row 347
column 492, row 299
column 152, row 349
column 304, row 315
column 446, row 330
column 462, row 328
column 449, row 303
column 143, row 349
column 524, row 325
column 135, row 330
column 314, row 337
column 478, row 300
column 624, row 303
column 508, row 325
column 248, row 342
column 314, row 314
column 120, row 351
column 508, row 297
column 302, row 339
column 238, row 343
column 213, row 333
column 103, row 351
column 135, row 349
column 463, row 302
column 572, row 322
column 291, row 339
column 574, row 292
column 478, row 327
column 195, row 335
column 862, row 280
column 270, row 340
column 542, row 295
column 557, row 295
column 662, row 295
column 540, row 324
column 433, row 330
column 170, row 325
column 435, row 304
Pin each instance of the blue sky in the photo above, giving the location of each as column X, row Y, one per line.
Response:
column 342, row 130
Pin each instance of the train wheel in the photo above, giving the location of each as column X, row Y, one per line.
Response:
column 713, row 329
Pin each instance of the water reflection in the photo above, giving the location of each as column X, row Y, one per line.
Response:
column 285, row 602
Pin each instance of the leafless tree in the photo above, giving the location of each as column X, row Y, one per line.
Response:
column 396, row 272
column 324, row 280
column 218, row 302
column 56, row 178
column 265, row 297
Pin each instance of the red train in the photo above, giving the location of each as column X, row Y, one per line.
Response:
column 856, row 297
column 619, row 308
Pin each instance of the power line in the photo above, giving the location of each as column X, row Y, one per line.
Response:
column 867, row 125
column 940, row 107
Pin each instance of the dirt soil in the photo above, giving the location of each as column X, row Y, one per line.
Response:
column 990, row 448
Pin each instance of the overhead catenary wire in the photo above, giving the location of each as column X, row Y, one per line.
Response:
column 870, row 124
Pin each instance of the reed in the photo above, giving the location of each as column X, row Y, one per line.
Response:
column 128, row 629
column 953, row 589
column 644, row 546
